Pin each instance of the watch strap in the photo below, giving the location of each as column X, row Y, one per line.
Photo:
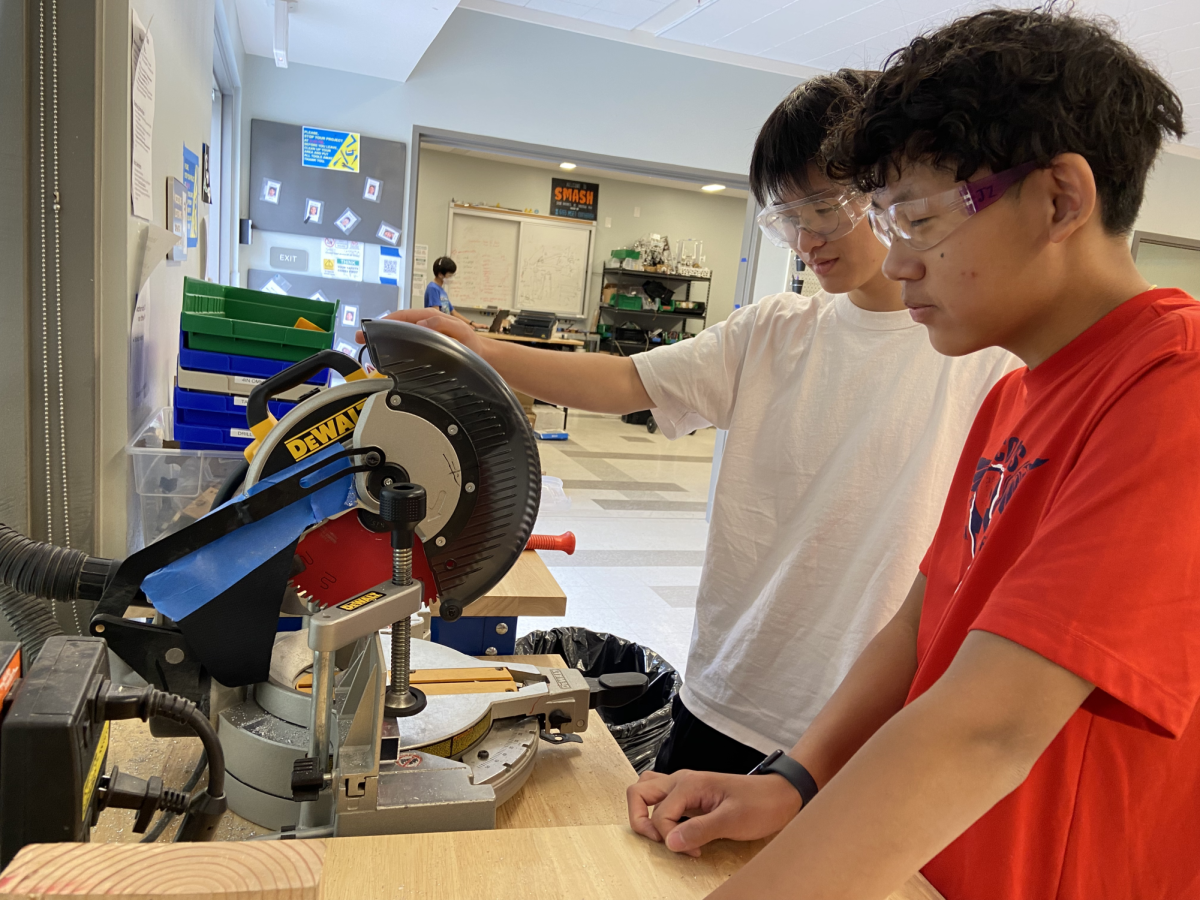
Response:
column 779, row 763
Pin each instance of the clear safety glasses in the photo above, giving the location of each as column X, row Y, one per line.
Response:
column 925, row 223
column 829, row 215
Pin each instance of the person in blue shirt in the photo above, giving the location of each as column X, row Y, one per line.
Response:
column 435, row 292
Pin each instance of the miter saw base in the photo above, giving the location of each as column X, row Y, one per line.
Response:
column 448, row 755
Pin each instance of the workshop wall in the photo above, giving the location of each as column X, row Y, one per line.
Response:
column 503, row 78
column 1173, row 185
column 717, row 220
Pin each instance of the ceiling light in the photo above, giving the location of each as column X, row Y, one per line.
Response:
column 713, row 188
column 566, row 165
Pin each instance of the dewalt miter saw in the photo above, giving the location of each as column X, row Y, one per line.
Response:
column 365, row 502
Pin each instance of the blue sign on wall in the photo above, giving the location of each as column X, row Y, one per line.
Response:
column 324, row 148
column 191, row 166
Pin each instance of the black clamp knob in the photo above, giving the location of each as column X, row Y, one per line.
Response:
column 403, row 507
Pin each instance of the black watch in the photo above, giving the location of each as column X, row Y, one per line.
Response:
column 779, row 763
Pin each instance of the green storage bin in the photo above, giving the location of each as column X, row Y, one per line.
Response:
column 625, row 301
column 227, row 319
column 626, row 254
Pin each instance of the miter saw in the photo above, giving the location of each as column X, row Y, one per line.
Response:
column 364, row 503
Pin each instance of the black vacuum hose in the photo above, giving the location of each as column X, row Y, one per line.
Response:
column 32, row 572
column 30, row 617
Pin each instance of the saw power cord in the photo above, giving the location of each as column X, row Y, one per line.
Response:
column 168, row 816
column 202, row 809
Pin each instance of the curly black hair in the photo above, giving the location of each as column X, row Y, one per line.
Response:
column 1005, row 87
column 792, row 136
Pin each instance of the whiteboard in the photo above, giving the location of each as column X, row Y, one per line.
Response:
column 485, row 251
column 516, row 262
column 553, row 267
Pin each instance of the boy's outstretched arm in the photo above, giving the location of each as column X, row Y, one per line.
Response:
column 592, row 381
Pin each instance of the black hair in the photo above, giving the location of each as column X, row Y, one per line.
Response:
column 790, row 140
column 444, row 265
column 1005, row 87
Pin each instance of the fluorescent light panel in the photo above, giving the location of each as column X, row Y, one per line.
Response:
column 713, row 188
column 566, row 165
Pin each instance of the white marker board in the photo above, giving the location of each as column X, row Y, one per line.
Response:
column 514, row 261
column 485, row 251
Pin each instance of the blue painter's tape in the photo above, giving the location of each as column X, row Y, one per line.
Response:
column 187, row 584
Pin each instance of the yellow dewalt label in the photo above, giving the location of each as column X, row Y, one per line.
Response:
column 360, row 601
column 93, row 775
column 324, row 433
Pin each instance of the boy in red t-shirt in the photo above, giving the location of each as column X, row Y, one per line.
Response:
column 1026, row 726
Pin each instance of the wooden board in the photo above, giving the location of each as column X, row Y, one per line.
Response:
column 600, row 862
column 274, row 870
column 527, row 590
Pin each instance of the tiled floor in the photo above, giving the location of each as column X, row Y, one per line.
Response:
column 637, row 511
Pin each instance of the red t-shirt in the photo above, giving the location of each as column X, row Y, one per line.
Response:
column 1072, row 527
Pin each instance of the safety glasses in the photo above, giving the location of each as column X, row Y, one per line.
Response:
column 925, row 223
column 829, row 215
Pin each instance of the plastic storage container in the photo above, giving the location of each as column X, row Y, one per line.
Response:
column 175, row 486
column 254, row 323
column 251, row 368
column 221, row 410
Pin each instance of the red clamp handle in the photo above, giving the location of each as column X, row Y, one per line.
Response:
column 564, row 542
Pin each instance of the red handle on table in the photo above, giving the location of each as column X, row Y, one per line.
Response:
column 564, row 542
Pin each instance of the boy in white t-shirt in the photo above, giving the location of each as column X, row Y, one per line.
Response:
column 844, row 428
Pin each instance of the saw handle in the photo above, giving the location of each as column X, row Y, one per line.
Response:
column 564, row 542
column 258, row 416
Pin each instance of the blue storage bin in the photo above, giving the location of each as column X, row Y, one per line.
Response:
column 207, row 437
column 203, row 408
column 232, row 364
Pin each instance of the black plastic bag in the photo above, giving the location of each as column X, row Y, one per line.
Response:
column 640, row 727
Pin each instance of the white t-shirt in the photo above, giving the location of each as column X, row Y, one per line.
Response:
column 844, row 429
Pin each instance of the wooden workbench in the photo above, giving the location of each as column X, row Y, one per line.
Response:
column 571, row 784
column 527, row 590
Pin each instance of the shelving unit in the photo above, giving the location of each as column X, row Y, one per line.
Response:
column 646, row 317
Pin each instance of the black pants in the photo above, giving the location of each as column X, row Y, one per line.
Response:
column 694, row 745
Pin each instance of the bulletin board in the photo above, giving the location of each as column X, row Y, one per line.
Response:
column 281, row 186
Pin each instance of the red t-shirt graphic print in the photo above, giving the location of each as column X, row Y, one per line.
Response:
column 1072, row 527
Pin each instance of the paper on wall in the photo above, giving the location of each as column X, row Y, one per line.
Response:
column 142, row 117
column 418, row 289
column 389, row 265
column 342, row 259
column 420, row 257
column 159, row 242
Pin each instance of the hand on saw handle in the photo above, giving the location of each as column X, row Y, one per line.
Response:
column 436, row 320
column 258, row 415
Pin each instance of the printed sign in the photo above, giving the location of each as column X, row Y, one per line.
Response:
column 191, row 169
column 389, row 265
column 341, row 259
column 324, row 148
column 573, row 199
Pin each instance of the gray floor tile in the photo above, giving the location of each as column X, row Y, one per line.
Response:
column 591, row 454
column 653, row 505
column 587, row 484
column 683, row 597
